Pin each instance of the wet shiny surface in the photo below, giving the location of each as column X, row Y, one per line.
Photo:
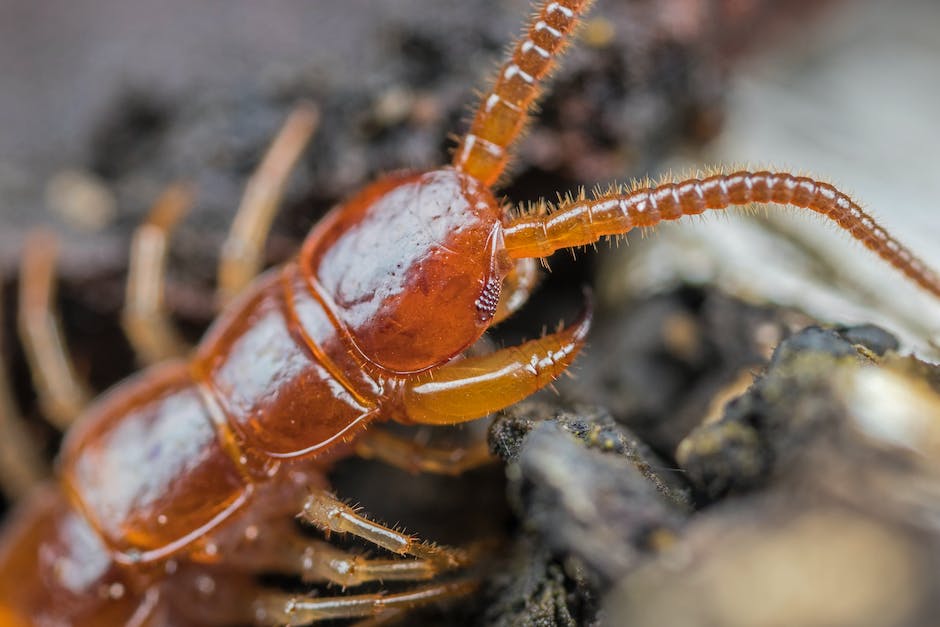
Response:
column 404, row 266
column 51, row 554
column 275, row 393
column 148, row 469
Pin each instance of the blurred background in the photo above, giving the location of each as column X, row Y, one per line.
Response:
column 851, row 98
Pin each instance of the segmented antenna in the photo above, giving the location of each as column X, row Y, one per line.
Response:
column 484, row 150
column 582, row 221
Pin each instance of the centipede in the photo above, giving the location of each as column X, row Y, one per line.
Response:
column 199, row 464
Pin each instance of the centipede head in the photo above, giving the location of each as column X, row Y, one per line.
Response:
column 413, row 267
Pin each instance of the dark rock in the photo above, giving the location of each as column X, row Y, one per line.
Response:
column 793, row 402
column 591, row 500
column 870, row 336
column 831, row 517
column 658, row 363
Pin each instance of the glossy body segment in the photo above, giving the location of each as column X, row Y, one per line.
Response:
column 57, row 571
column 148, row 470
column 273, row 373
column 190, row 441
column 180, row 463
column 584, row 221
column 501, row 117
column 159, row 463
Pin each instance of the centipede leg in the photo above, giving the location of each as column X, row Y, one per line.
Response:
column 330, row 515
column 320, row 561
column 414, row 457
column 146, row 321
column 219, row 596
column 215, row 596
column 21, row 465
column 282, row 609
column 280, row 548
column 227, row 592
column 61, row 394
column 242, row 252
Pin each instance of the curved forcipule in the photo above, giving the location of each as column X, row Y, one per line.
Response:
column 476, row 386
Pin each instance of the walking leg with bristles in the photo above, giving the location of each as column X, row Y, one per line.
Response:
column 279, row 547
column 218, row 587
column 21, row 465
column 146, row 320
column 242, row 252
column 330, row 515
column 284, row 609
column 219, row 595
column 62, row 396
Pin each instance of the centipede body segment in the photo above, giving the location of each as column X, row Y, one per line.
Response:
column 195, row 467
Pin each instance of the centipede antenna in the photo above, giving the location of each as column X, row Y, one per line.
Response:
column 242, row 252
column 578, row 222
column 145, row 318
column 504, row 110
column 62, row 395
column 21, row 465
